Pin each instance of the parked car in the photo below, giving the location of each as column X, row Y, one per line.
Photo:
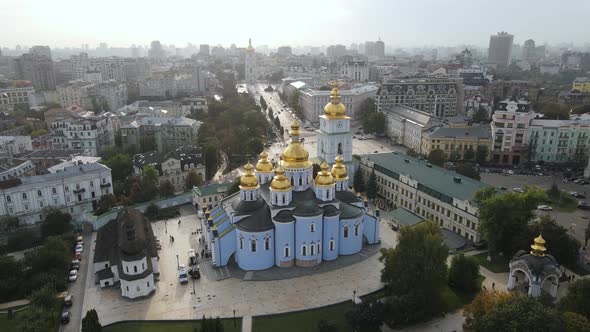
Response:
column 544, row 208
column 75, row 264
column 73, row 276
column 182, row 275
column 192, row 257
column 80, row 240
column 195, row 273
column 578, row 195
column 510, row 172
column 65, row 317
column 68, row 300
column 583, row 205
column 79, row 248
column 502, row 188
column 78, row 256
column 518, row 190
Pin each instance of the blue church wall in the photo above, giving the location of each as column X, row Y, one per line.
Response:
column 301, row 179
column 371, row 229
column 308, row 237
column 224, row 247
column 284, row 237
column 350, row 241
column 254, row 255
column 331, row 227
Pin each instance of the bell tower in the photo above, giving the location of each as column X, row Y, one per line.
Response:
column 250, row 70
column 334, row 137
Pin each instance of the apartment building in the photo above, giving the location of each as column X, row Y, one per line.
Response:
column 162, row 133
column 427, row 191
column 456, row 143
column 510, row 127
column 16, row 93
column 88, row 134
column 559, row 141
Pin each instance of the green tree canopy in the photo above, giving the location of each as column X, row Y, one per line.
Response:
column 418, row 260
column 149, row 183
column 121, row 166
column 575, row 322
column 193, row 179
column 56, row 222
column 464, row 274
column 437, row 157
column 359, row 181
column 468, row 170
column 577, row 298
column 366, row 316
column 90, row 322
column 481, row 154
column 166, row 189
column 555, row 111
column 469, row 154
column 105, row 203
column 481, row 115
column 372, row 186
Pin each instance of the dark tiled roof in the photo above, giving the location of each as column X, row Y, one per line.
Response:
column 348, row 211
column 105, row 273
column 330, row 210
column 284, row 216
column 248, row 207
column 186, row 155
column 259, row 221
column 347, row 197
column 459, row 133
column 106, row 243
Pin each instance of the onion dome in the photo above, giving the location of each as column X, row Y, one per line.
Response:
column 339, row 170
column 248, row 180
column 263, row 164
column 324, row 177
column 538, row 247
column 295, row 155
column 335, row 109
column 280, row 182
column 250, row 48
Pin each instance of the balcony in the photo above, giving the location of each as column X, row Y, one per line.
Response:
column 105, row 185
column 78, row 191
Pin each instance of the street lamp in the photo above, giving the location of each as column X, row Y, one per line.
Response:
column 353, row 295
column 166, row 225
column 194, row 292
column 234, row 317
column 177, row 262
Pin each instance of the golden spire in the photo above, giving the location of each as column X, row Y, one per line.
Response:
column 324, row 177
column 210, row 218
column 339, row 170
column 263, row 164
column 280, row 182
column 248, row 180
column 207, row 211
column 249, row 48
column 335, row 109
column 295, row 155
column 538, row 247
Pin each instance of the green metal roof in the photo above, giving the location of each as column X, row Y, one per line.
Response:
column 213, row 189
column 433, row 180
column 404, row 217
column 226, row 231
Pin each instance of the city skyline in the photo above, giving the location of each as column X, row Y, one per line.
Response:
column 63, row 23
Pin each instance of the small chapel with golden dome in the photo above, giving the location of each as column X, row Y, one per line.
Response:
column 283, row 216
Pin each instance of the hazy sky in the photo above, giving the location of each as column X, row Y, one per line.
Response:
column 299, row 22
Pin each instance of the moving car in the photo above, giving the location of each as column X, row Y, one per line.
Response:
column 577, row 195
column 518, row 190
column 73, row 276
column 182, row 275
column 195, row 273
column 544, row 208
column 65, row 317
column 68, row 300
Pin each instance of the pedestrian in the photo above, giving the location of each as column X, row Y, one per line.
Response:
column 179, row 221
column 173, row 239
column 484, row 288
column 493, row 285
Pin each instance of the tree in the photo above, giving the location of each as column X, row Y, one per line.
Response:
column 193, row 179
column 504, row 216
column 577, row 298
column 90, row 322
column 359, row 181
column 581, row 109
column 469, row 154
column 437, row 157
column 418, row 305
column 481, row 115
column 36, row 319
column 121, row 166
column 372, row 186
column 575, row 322
column 167, row 188
column 562, row 245
column 366, row 316
column 482, row 304
column 315, row 169
column 481, row 154
column 8, row 223
column 412, row 153
column 147, row 143
column 468, row 170
column 149, row 183
column 105, row 203
column 464, row 274
column 555, row 111
column 38, row 132
column 44, row 298
column 56, row 222
column 211, row 325
column 519, row 313
column 151, row 211
column 263, row 103
column 418, row 261
column 11, row 274
column 367, row 107
column 326, row 326
column 587, row 234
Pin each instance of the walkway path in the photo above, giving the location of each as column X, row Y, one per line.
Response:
column 17, row 303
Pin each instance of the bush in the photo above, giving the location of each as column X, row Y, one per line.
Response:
column 416, row 306
column 464, row 274
column 22, row 239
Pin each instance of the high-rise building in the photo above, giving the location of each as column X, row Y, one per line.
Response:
column 41, row 51
column 110, row 68
column 284, row 51
column 38, row 69
column 335, row 51
column 500, row 50
column 251, row 68
column 379, row 48
column 204, row 49
column 370, row 48
column 156, row 50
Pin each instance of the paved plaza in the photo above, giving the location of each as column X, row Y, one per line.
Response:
column 172, row 300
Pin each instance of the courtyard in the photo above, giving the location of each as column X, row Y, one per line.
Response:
column 214, row 297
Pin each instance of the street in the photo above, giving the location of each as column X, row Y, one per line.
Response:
column 77, row 288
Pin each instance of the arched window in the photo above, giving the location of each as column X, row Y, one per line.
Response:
column 24, row 195
column 276, row 199
column 8, row 199
column 339, row 148
column 356, row 230
column 241, row 243
column 286, row 251
column 327, row 195
column 135, row 268
column 319, row 246
column 267, row 244
column 345, row 231
column 304, row 250
column 331, row 245
column 251, row 196
column 39, row 193
column 253, row 245
column 300, row 181
column 312, row 227
column 311, row 249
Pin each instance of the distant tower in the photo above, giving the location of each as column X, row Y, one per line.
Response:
column 334, row 136
column 250, row 64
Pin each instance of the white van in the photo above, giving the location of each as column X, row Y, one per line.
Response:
column 192, row 257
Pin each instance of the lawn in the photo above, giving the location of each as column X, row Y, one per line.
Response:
column 304, row 321
column 6, row 324
column 498, row 264
column 176, row 326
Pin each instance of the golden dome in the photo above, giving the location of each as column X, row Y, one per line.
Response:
column 538, row 247
column 324, row 177
column 339, row 170
column 295, row 155
column 263, row 164
column 249, row 48
column 280, row 182
column 248, row 180
column 335, row 109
